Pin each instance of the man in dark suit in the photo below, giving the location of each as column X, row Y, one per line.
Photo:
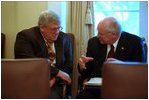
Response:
column 126, row 47
column 47, row 41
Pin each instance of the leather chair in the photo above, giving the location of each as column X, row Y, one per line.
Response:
column 125, row 80
column 25, row 79
column 2, row 45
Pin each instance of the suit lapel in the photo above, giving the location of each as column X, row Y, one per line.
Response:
column 41, row 42
column 120, row 47
column 58, row 48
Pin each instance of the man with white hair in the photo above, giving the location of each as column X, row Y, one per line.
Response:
column 111, row 43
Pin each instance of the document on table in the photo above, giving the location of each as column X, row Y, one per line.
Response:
column 96, row 81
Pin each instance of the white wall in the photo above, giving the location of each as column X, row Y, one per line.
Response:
column 8, row 26
column 16, row 16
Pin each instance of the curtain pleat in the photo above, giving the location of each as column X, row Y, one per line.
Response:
column 76, row 24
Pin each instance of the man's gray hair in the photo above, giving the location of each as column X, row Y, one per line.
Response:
column 113, row 26
column 47, row 17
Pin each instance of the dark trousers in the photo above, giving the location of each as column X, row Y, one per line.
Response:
column 57, row 91
column 89, row 93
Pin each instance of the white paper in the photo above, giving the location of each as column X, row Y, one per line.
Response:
column 96, row 81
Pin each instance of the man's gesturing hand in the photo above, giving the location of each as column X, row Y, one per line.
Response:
column 64, row 76
column 83, row 60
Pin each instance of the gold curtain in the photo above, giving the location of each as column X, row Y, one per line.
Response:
column 80, row 23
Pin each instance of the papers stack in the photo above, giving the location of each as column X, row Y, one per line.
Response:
column 96, row 81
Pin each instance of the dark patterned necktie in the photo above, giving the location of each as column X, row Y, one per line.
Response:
column 51, row 52
column 111, row 52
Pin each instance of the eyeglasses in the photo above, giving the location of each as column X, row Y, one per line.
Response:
column 55, row 29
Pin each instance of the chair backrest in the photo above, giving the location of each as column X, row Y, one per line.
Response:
column 74, row 76
column 2, row 45
column 25, row 78
column 71, row 37
column 145, row 49
column 125, row 80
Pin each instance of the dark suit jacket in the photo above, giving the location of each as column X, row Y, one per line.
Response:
column 30, row 44
column 129, row 48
